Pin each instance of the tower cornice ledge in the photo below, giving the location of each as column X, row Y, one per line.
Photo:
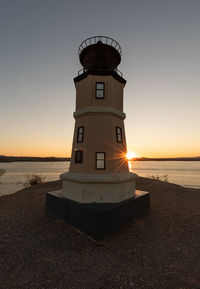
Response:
column 99, row 110
column 105, row 72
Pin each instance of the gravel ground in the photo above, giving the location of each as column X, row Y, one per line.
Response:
column 159, row 250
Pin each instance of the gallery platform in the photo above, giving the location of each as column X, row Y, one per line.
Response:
column 97, row 220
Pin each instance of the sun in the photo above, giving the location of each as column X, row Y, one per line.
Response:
column 130, row 155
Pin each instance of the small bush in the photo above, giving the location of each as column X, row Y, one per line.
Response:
column 163, row 178
column 2, row 172
column 32, row 180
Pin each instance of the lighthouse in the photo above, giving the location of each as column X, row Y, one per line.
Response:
column 98, row 195
column 99, row 169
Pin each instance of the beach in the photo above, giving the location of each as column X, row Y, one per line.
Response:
column 160, row 249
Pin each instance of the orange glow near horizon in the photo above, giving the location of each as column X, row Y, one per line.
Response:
column 64, row 151
column 31, row 151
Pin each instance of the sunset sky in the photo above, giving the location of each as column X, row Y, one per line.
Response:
column 160, row 42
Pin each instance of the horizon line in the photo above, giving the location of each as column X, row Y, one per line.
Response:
column 69, row 157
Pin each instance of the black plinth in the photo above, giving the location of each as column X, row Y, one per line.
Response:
column 97, row 220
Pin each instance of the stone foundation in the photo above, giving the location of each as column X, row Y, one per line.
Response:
column 97, row 220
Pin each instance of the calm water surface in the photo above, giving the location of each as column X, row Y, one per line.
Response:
column 182, row 173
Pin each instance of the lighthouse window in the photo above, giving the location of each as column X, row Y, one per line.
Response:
column 119, row 134
column 100, row 161
column 100, row 87
column 78, row 156
column 80, row 134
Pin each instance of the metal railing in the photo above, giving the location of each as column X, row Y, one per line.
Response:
column 104, row 39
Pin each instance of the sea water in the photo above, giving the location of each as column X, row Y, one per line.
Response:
column 184, row 173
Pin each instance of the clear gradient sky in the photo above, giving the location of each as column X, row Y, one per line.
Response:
column 160, row 41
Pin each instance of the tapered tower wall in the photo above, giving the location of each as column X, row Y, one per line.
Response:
column 99, row 136
column 99, row 118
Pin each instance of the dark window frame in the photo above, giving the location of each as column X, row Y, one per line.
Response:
column 103, row 89
column 100, row 159
column 117, row 134
column 78, row 134
column 76, row 157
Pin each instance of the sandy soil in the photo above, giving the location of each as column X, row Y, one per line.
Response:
column 159, row 250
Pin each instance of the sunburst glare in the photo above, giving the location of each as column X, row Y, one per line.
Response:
column 130, row 155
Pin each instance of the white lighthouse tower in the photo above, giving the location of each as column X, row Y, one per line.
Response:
column 98, row 177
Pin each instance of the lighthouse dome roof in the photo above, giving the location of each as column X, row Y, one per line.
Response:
column 100, row 53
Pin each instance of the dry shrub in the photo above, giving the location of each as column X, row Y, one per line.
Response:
column 2, row 172
column 163, row 178
column 32, row 180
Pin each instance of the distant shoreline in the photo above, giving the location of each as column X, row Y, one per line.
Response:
column 9, row 159
column 168, row 159
column 6, row 159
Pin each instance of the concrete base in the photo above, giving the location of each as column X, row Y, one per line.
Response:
column 98, row 188
column 98, row 220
